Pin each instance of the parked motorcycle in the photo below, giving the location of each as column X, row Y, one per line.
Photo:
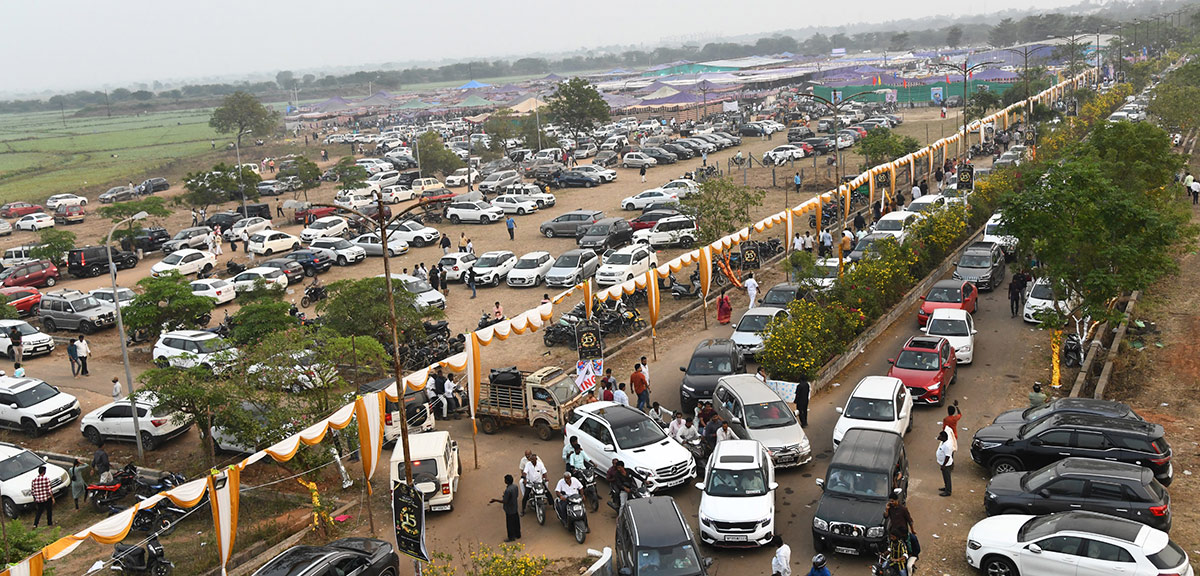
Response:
column 160, row 519
column 575, row 518
column 312, row 295
column 1072, row 350
column 169, row 480
column 124, row 483
column 539, row 498
column 151, row 560
column 233, row 268
column 679, row 291
column 561, row 332
column 486, row 319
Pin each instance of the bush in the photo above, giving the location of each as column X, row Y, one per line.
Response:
column 799, row 344
column 934, row 236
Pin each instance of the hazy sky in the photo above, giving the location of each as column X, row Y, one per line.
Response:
column 68, row 44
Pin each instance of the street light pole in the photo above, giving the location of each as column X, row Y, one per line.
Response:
column 237, row 148
column 112, row 275
column 966, row 71
column 1025, row 52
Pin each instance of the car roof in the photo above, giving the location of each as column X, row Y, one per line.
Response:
column 425, row 444
column 1092, row 405
column 877, row 387
column 737, row 455
column 534, row 254
column 763, row 311
column 657, row 522
column 1096, row 523
column 868, row 449
column 496, row 253
column 192, row 334
column 949, row 283
column 750, row 389
column 613, row 412
column 949, row 314
column 14, row 384
column 1103, row 468
column 926, row 199
column 924, row 343
column 262, row 269
column 631, row 249
column 1081, row 420
column 715, row 345
column 898, row 215
column 296, row 557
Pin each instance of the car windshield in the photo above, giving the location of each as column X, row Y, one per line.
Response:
column 321, row 225
column 948, row 327
column 921, row 206
column 875, row 409
column 890, row 225
column 917, row 360
column 1038, row 478
column 1039, row 527
column 856, row 483
column 944, row 295
column 951, row 193
column 975, row 261
column 765, row 415
column 1041, row 292
column 340, row 244
column 736, row 483
column 35, row 395
column 754, row 323
column 779, row 297
column 680, row 560
column 182, row 235
column 825, row 271
column 620, row 259
column 22, row 462
column 173, row 258
column 417, row 286
column 996, row 229
column 495, row 176
column 24, row 328
column 567, row 261
column 637, row 434
column 864, row 244
column 597, row 230
column 527, row 264
column 85, row 303
column 489, row 261
column 709, row 366
column 213, row 345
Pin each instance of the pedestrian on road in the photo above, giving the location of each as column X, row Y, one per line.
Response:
column 950, row 422
column 751, row 289
column 619, row 395
column 445, row 244
column 643, row 172
column 809, row 242
column 704, row 158
column 1014, row 297
column 83, row 350
column 442, row 277
column 803, row 390
column 278, row 208
column 645, row 369
column 945, row 462
column 724, row 308
column 78, row 484
column 116, row 389
column 512, row 228
column 470, row 246
column 797, row 242
column 781, row 562
column 433, row 278
column 462, row 242
column 797, row 180
column 18, row 347
column 512, row 518
column 641, row 387
column 43, row 497
column 195, row 218
column 471, row 281
column 826, row 247
column 860, row 223
column 73, row 357
column 100, row 464
column 1037, row 397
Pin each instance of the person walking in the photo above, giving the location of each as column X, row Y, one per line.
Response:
column 433, row 278
column 78, row 483
column 643, row 173
column 18, row 347
column 83, row 350
column 1195, row 192
column 826, row 247
column 641, row 387
column 101, row 465
column 945, row 462
column 809, row 242
column 445, row 244
column 470, row 246
column 278, row 208
column 73, row 357
column 217, row 251
column 512, row 228
column 751, row 289
column 471, row 281
column 724, row 308
column 462, row 242
column 781, row 562
column 508, row 502
column 860, row 223
column 116, row 389
column 619, row 395
column 704, row 158
column 43, row 497
column 1014, row 297
column 803, row 391
column 797, row 181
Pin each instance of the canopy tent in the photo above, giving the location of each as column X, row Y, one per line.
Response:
column 618, row 101
column 664, row 92
column 334, row 105
column 652, row 87
column 677, row 99
column 553, row 77
column 473, row 84
column 527, row 105
column 474, row 101
column 379, row 99
column 415, row 104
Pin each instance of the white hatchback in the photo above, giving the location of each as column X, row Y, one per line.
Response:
column 456, row 264
column 877, row 403
column 220, row 291
column 530, row 269
column 271, row 241
column 271, row 277
column 20, row 467
column 114, row 421
column 186, row 261
column 327, row 227
column 188, row 348
column 958, row 328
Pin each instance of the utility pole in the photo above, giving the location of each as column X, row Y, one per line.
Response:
column 966, row 72
column 1024, row 53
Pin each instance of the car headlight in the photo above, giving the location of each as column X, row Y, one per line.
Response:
column 982, row 445
column 706, row 521
column 991, row 496
column 965, row 349
column 686, row 387
column 819, row 524
column 973, row 545
column 934, row 387
column 875, row 532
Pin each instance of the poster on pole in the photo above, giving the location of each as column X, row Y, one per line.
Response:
column 836, row 95
column 935, row 93
column 890, row 97
column 591, row 344
column 966, row 177
column 408, row 513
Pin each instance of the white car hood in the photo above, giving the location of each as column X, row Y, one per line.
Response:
column 36, row 340
column 998, row 531
column 746, row 338
column 774, row 438
column 845, row 424
column 739, row 508
column 956, row 342
column 611, row 269
column 161, row 267
column 654, row 456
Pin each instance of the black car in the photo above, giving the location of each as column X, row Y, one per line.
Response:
column 501, row 163
column 712, row 359
column 223, row 220
column 866, row 469
column 571, row 178
column 821, row 144
column 313, row 262
column 153, row 185
column 737, row 140
column 605, row 158
column 751, row 130
column 679, row 150
column 92, row 261
column 653, row 538
column 782, row 294
column 357, row 556
column 148, row 240
column 606, row 233
column 290, row 268
column 1014, row 447
column 662, row 156
column 1105, row 408
column 1113, row 488
column 799, row 133
column 864, row 246
column 118, row 194
column 402, row 163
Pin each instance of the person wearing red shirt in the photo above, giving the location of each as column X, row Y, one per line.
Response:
column 641, row 387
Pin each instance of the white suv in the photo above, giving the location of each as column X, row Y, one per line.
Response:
column 474, row 211
column 188, row 348
column 424, row 295
column 626, row 264
column 737, row 507
column 608, row 430
column 493, row 267
column 671, row 231
column 19, row 467
column 414, row 233
column 339, row 250
column 327, row 227
column 530, row 191
column 877, row 403
column 114, row 421
column 33, row 406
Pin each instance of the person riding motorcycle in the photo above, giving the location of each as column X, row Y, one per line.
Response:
column 818, row 566
column 533, row 472
column 574, row 458
column 622, row 480
column 565, row 488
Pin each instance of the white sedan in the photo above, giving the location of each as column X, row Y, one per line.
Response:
column 35, row 221
column 780, row 154
column 186, row 261
column 354, row 199
column 249, row 226
column 604, row 174
column 511, row 204
column 680, row 188
column 371, row 243
column 219, row 290
column 271, row 241
column 530, row 269
column 957, row 327
column 649, row 197
column 327, row 227
column 57, row 200
column 272, row 277
column 493, row 267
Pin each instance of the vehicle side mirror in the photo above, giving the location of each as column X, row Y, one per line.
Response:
column 821, row 483
column 682, row 369
column 839, row 409
column 1044, row 493
column 891, row 360
column 1034, row 548
column 609, row 448
column 699, row 485
column 974, row 331
column 1035, row 442
column 922, row 297
column 735, row 326
column 773, row 486
column 925, row 328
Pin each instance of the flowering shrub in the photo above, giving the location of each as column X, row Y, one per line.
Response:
column 797, row 346
column 506, row 560
column 934, row 236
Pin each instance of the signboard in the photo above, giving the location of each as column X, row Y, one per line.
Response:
column 750, row 257
column 966, row 177
column 587, row 373
column 836, row 96
column 408, row 513
column 591, row 345
column 935, row 93
column 890, row 97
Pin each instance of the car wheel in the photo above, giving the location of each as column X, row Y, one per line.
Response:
column 454, row 219
column 206, row 269
column 588, row 184
column 48, row 325
column 93, row 270
column 161, row 362
column 999, row 566
column 268, row 252
column 50, row 281
column 1005, row 465
column 149, row 442
column 418, row 242
column 629, row 207
column 310, row 272
column 30, row 428
column 541, row 204
column 341, row 261
column 549, row 233
column 93, row 435
column 624, row 165
column 391, row 253
column 86, row 328
column 10, row 509
column 520, row 211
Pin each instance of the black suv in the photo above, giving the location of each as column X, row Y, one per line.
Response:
column 223, row 220
column 654, row 538
column 867, row 467
column 147, row 240
column 153, row 185
column 358, row 556
column 1014, row 447
column 606, row 233
column 1113, row 488
column 92, row 261
column 782, row 294
column 712, row 359
column 799, row 133
column 1106, row 408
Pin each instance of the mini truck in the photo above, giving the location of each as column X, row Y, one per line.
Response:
column 543, row 399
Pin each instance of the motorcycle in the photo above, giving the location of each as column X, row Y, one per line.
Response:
column 884, row 566
column 639, row 491
column 151, row 560
column 560, row 333
column 233, row 268
column 679, row 291
column 699, row 452
column 312, row 295
column 539, row 498
column 1072, row 350
column 124, row 483
column 587, row 476
column 169, row 480
column 224, row 328
column 160, row 519
column 486, row 320
column 575, row 518
column 439, row 328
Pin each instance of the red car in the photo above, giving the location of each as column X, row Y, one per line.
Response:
column 24, row 298
column 805, row 146
column 649, row 219
column 954, row 294
column 34, row 273
column 927, row 366
column 315, row 213
column 18, row 209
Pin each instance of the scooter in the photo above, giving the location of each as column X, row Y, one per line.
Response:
column 539, row 498
column 1072, row 350
column 151, row 560
column 679, row 291
column 639, row 491
column 575, row 518
column 486, row 320
column 699, row 452
column 124, row 483
column 884, row 566
column 233, row 268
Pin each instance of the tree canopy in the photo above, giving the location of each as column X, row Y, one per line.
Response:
column 165, row 300
column 153, row 206
column 720, row 207
column 53, row 245
column 241, row 112
column 882, row 145
column 434, row 157
column 577, row 105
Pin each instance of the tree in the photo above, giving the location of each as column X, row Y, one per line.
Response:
column 165, row 300
column 898, row 42
column 350, row 175
column 8, row 312
column 882, row 145
column 577, row 105
column 214, row 187
column 152, row 205
column 360, row 308
column 434, row 157
column 954, row 36
column 194, row 393
column 1134, row 156
column 53, row 245
column 240, row 112
column 501, row 127
column 309, row 174
column 258, row 319
column 980, row 102
column 720, row 207
column 286, row 79
column 1175, row 105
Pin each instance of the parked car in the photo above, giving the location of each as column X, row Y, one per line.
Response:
column 414, row 232
column 425, row 297
column 272, row 188
column 638, row 160
column 152, row 185
column 34, row 222
column 31, row 273
column 194, row 237
column 877, row 403
column 118, row 194
column 246, row 227
column 737, row 505
column 575, row 178
column 748, row 332
column 952, row 294
column 605, row 234
column 91, row 261
column 569, row 224
column 291, row 269
column 311, row 262
column 782, row 294
column 496, row 181
column 373, row 244
column 119, row 298
column 33, row 342
column 20, row 467
column 868, row 467
column 572, row 267
column 24, row 298
column 783, row 153
column 18, row 209
column 755, row 411
column 649, row 197
column 327, row 227
column 609, row 430
column 1042, row 296
column 456, row 264
column 189, row 348
column 1094, row 406
column 435, row 461
column 530, row 269
column 473, row 211
column 626, row 264
column 493, row 267
column 511, row 204
column 185, row 262
column 712, row 359
column 648, row 219
column 598, row 171
column 340, row 250
column 272, row 278
column 605, row 158
column 269, row 242
column 982, row 263
column 114, row 421
column 927, row 366
column 34, row 407
column 220, row 291
column 53, row 202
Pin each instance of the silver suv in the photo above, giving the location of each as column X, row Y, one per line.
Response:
column 74, row 310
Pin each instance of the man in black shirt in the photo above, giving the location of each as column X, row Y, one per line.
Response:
column 509, row 502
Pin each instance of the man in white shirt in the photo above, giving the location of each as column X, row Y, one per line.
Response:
column 781, row 563
column 688, row 431
column 659, row 414
column 533, row 473
column 945, row 461
column 645, row 370
column 725, row 432
column 565, row 488
column 676, row 426
column 916, row 191
column 752, row 290
column 619, row 395
column 798, row 242
column 826, row 243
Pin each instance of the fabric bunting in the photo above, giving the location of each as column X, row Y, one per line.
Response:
column 224, row 501
column 705, row 272
column 369, row 411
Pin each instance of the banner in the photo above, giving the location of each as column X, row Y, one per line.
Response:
column 966, row 177
column 729, row 106
column 935, row 93
column 408, row 512
column 587, row 372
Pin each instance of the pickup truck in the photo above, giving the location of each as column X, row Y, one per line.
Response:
column 314, row 212
column 542, row 399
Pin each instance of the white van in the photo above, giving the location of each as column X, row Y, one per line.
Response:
column 755, row 412
column 422, row 184
column 435, row 466
column 15, row 256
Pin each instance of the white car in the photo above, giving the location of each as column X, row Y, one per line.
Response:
column 530, row 269
column 6, row 229
column 374, row 165
column 20, row 467
column 272, row 277
column 844, row 141
column 123, row 297
column 34, row 407
column 748, row 332
column 825, row 272
column 186, row 261
column 272, row 241
column 188, row 348
column 609, row 430
column 638, row 160
column 781, row 154
column 339, row 250
column 511, row 204
column 35, row 221
column 413, row 232
column 373, row 245
column 531, row 191
column 895, row 224
column 248, row 226
column 1072, row 543
column 738, row 492
column 398, row 193
column 957, row 327
column 424, row 295
column 327, row 227
column 53, row 202
column 994, row 232
column 681, row 187
column 927, row 204
column 604, row 174
column 676, row 230
column 456, row 264
column 219, row 290
column 653, row 196
column 1041, row 297
column 114, row 421
column 493, row 267
column 626, row 264
column 459, row 177
column 473, row 211
column 33, row 342
column 354, row 199
column 383, row 179
column 439, row 452
column 877, row 403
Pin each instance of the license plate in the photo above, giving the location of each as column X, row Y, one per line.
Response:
column 786, row 459
column 440, row 508
column 845, row 550
column 735, row 538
